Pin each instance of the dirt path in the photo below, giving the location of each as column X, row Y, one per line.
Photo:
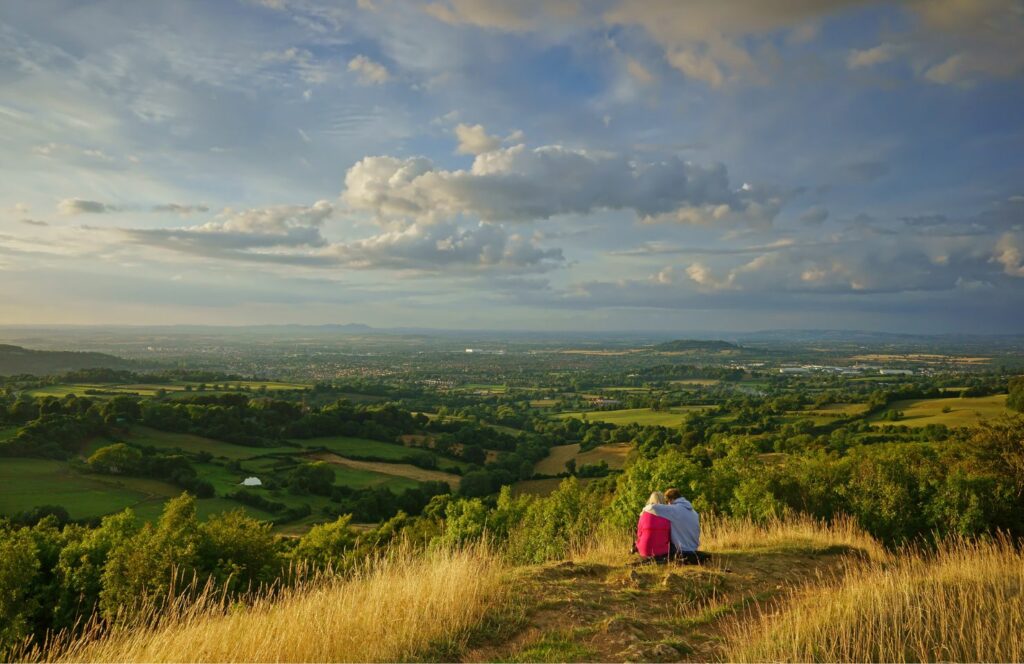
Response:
column 579, row 612
column 397, row 469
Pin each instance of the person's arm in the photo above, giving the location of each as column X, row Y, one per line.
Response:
column 659, row 510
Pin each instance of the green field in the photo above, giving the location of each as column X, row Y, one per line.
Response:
column 145, row 436
column 7, row 432
column 645, row 416
column 963, row 411
column 828, row 414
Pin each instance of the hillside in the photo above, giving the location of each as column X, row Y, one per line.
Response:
column 17, row 360
column 796, row 590
column 688, row 345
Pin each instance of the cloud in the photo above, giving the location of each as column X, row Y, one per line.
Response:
column 368, row 71
column 516, row 16
column 302, row 62
column 177, row 208
column 279, row 234
column 34, row 222
column 291, row 235
column 474, row 140
column 444, row 246
column 1010, row 254
column 72, row 206
column 814, row 216
column 870, row 57
column 707, row 40
column 638, row 71
column 523, row 184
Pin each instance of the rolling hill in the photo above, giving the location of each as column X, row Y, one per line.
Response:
column 16, row 360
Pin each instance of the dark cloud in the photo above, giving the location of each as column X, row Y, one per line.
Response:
column 70, row 206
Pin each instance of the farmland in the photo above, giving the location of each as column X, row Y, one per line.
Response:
column 399, row 470
column 614, row 455
column 951, row 411
column 101, row 390
column 644, row 416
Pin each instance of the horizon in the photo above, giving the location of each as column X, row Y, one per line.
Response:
column 621, row 166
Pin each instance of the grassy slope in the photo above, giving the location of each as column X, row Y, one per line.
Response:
column 614, row 455
column 786, row 591
column 964, row 411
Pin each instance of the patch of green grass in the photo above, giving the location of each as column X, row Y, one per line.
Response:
column 376, row 450
column 6, row 433
column 29, row 483
column 556, row 647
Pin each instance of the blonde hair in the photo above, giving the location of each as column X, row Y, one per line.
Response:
column 657, row 498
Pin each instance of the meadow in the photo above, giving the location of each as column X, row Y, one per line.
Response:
column 101, row 390
column 644, row 416
column 962, row 411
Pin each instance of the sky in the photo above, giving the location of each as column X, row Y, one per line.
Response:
column 644, row 165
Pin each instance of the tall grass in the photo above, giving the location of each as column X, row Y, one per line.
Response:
column 963, row 602
column 397, row 608
column 720, row 534
column 792, row 531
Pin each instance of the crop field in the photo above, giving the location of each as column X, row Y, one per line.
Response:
column 613, row 454
column 389, row 472
column 696, row 382
column 665, row 418
column 963, row 411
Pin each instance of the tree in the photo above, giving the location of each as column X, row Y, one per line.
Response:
column 325, row 545
column 19, row 565
column 316, row 478
column 116, row 459
column 238, row 551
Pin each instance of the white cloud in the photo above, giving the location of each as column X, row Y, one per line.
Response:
column 474, row 140
column 515, row 16
column 638, row 71
column 178, row 208
column 521, row 184
column 368, row 71
column 1010, row 254
column 870, row 57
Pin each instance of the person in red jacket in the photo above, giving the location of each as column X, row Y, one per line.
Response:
column 653, row 533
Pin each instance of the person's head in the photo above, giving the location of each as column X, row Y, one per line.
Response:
column 657, row 498
column 672, row 494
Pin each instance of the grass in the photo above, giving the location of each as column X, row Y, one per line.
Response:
column 7, row 432
column 961, row 603
column 145, row 436
column 394, row 609
column 614, row 455
column 398, row 476
column 963, row 411
column 29, row 483
column 151, row 389
column 665, row 418
column 543, row 487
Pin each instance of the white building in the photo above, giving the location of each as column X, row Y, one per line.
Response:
column 252, row 481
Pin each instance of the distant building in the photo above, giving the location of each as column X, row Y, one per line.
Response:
column 252, row 481
column 794, row 370
column 896, row 372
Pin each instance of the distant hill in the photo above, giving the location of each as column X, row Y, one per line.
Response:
column 17, row 360
column 707, row 345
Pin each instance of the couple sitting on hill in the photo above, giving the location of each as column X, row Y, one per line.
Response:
column 669, row 529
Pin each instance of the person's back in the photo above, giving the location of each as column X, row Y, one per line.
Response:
column 653, row 535
column 685, row 522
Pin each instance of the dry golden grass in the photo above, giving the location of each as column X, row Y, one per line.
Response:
column 964, row 602
column 794, row 531
column 398, row 609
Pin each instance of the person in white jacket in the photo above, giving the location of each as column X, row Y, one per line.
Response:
column 685, row 527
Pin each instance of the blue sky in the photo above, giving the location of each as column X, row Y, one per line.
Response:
column 558, row 164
